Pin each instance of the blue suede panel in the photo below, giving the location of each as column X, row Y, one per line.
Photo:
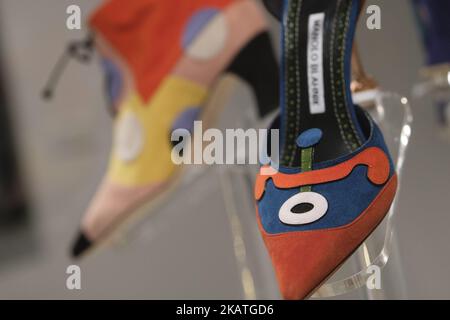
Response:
column 196, row 24
column 347, row 66
column 186, row 119
column 114, row 79
column 347, row 198
column 309, row 138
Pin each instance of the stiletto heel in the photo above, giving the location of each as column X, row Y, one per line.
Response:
column 335, row 181
column 363, row 86
column 80, row 51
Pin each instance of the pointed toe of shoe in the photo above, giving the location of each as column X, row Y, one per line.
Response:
column 303, row 260
column 81, row 245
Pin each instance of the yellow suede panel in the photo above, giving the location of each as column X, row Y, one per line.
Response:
column 153, row 164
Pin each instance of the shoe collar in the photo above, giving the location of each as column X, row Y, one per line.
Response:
column 374, row 139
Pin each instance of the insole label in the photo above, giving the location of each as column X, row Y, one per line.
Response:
column 315, row 63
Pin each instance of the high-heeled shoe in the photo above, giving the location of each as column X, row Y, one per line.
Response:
column 335, row 180
column 163, row 61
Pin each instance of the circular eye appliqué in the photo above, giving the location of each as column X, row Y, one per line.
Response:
column 317, row 201
column 129, row 137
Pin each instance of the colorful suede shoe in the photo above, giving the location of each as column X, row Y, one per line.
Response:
column 335, row 180
column 163, row 61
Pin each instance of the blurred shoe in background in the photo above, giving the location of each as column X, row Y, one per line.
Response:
column 432, row 16
column 434, row 25
column 163, row 62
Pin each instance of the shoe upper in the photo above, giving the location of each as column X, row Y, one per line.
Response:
column 159, row 74
column 162, row 59
column 309, row 232
column 341, row 209
column 142, row 36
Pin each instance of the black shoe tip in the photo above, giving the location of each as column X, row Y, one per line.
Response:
column 80, row 246
column 47, row 94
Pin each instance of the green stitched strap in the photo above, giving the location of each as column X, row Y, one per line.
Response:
column 307, row 156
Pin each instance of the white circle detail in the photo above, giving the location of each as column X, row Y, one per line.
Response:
column 318, row 211
column 211, row 40
column 129, row 137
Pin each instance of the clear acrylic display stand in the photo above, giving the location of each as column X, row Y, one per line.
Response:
column 435, row 84
column 393, row 114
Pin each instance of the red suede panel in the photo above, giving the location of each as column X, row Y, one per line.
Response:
column 374, row 158
column 147, row 34
column 303, row 260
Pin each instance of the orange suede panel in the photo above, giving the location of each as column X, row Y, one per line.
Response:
column 147, row 34
column 303, row 260
column 374, row 158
